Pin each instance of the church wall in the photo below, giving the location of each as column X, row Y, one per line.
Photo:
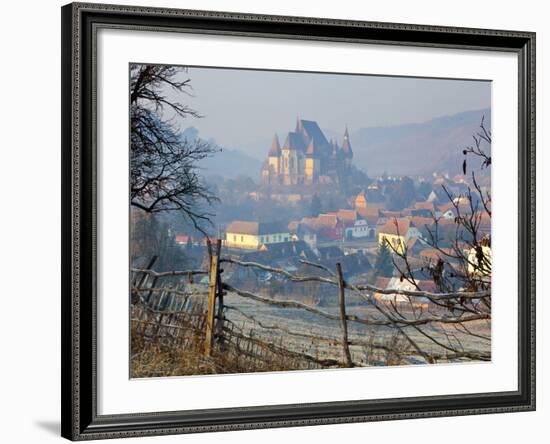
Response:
column 274, row 163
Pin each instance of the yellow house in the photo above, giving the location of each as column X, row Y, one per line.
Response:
column 395, row 232
column 252, row 235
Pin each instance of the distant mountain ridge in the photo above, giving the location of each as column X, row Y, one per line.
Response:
column 435, row 145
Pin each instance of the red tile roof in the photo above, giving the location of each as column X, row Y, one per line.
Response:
column 420, row 222
column 347, row 215
column 396, row 226
column 387, row 213
column 327, row 220
column 424, row 206
column 181, row 239
column 369, row 212
column 255, row 228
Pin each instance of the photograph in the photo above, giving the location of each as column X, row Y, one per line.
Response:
column 294, row 220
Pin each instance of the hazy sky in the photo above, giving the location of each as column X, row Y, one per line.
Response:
column 244, row 108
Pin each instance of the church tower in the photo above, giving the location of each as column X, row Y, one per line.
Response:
column 291, row 159
column 274, row 156
column 347, row 152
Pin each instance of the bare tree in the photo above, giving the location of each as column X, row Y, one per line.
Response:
column 164, row 165
column 462, row 261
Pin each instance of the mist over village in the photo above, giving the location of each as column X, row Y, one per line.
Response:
column 317, row 236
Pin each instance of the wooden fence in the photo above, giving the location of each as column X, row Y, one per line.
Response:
column 178, row 310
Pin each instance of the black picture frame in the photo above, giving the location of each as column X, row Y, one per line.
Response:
column 79, row 395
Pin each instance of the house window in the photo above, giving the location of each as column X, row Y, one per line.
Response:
column 262, row 239
column 242, row 238
column 234, row 238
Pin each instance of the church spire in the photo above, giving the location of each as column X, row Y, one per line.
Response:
column 346, row 145
column 275, row 150
column 298, row 125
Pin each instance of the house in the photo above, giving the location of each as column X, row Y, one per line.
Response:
column 360, row 201
column 252, row 235
column 283, row 251
column 421, row 226
column 302, row 232
column 437, row 195
column 396, row 233
column 428, row 206
column 371, row 215
column 425, row 209
column 283, row 255
column 390, row 214
column 360, row 229
column 183, row 240
column 330, row 227
column 352, row 264
column 186, row 241
column 330, row 253
column 348, row 217
column 448, row 210
column 414, row 246
column 372, row 198
column 396, row 283
column 356, row 264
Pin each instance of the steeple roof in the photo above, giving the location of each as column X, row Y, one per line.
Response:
column 294, row 141
column 275, row 150
column 346, row 145
column 312, row 130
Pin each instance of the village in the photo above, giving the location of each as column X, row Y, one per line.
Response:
column 355, row 236
column 316, row 209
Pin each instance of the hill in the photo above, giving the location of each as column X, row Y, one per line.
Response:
column 435, row 145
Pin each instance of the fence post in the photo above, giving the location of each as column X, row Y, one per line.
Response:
column 214, row 271
column 219, row 294
column 343, row 318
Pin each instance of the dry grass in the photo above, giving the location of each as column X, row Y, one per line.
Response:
column 172, row 345
column 164, row 346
